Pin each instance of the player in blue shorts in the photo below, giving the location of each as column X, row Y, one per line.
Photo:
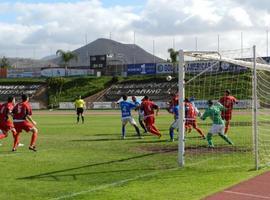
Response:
column 175, row 111
column 126, row 108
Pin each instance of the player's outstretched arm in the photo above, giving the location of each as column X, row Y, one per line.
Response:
column 204, row 116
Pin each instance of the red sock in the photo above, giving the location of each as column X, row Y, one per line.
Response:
column 200, row 132
column 16, row 140
column 226, row 129
column 33, row 139
column 154, row 130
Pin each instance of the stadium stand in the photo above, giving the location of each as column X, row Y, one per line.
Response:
column 156, row 90
column 36, row 92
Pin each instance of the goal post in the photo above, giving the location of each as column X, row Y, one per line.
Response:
column 209, row 83
column 254, row 110
column 181, row 121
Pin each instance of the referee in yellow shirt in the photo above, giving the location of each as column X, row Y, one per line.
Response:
column 79, row 106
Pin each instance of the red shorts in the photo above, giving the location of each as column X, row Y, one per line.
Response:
column 24, row 125
column 149, row 120
column 6, row 126
column 192, row 123
column 227, row 116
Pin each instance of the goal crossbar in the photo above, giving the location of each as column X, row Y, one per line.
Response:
column 206, row 55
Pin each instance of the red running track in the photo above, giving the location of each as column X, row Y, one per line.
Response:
column 257, row 188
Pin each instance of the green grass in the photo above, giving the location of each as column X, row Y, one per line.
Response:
column 90, row 161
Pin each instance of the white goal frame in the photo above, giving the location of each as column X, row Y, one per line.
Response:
column 181, row 89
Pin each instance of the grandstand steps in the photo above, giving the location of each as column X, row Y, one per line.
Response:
column 41, row 96
column 98, row 96
column 156, row 89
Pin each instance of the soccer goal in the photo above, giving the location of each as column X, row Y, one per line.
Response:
column 237, row 80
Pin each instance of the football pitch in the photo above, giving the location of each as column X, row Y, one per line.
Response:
column 90, row 161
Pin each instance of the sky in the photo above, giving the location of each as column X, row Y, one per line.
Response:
column 38, row 28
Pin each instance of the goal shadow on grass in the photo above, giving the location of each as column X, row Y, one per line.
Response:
column 191, row 150
column 55, row 176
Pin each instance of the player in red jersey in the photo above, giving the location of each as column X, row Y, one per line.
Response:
column 149, row 107
column 6, row 124
column 228, row 102
column 22, row 119
column 173, row 102
column 191, row 114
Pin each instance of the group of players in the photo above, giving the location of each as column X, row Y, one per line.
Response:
column 15, row 118
column 220, row 113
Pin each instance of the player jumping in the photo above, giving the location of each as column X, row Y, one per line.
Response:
column 174, row 125
column 140, row 113
column 149, row 107
column 228, row 102
column 191, row 113
column 214, row 112
column 22, row 120
column 126, row 107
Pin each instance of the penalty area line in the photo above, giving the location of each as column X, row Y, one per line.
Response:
column 120, row 182
column 102, row 187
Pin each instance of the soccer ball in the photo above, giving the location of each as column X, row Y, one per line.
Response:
column 169, row 78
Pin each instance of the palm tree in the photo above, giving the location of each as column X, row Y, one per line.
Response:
column 173, row 58
column 4, row 63
column 66, row 57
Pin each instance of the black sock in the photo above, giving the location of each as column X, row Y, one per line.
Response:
column 142, row 125
column 137, row 130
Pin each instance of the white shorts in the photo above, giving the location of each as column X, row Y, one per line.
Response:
column 217, row 128
column 141, row 117
column 128, row 119
column 174, row 125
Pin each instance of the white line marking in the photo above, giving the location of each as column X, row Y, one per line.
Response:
column 247, row 194
column 120, row 182
column 107, row 185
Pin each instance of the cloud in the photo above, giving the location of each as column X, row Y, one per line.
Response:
column 47, row 27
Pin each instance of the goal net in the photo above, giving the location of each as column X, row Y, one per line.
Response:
column 226, row 78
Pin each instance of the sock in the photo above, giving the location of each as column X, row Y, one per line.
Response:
column 33, row 139
column 224, row 137
column 226, row 129
column 209, row 139
column 78, row 119
column 154, row 130
column 142, row 125
column 171, row 133
column 137, row 130
column 123, row 131
column 16, row 140
column 82, row 119
column 200, row 132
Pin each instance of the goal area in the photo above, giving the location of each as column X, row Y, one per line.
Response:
column 239, row 80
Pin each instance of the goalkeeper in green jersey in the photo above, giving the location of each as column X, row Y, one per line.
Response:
column 218, row 126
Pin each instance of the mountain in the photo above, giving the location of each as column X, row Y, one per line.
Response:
column 50, row 57
column 124, row 53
